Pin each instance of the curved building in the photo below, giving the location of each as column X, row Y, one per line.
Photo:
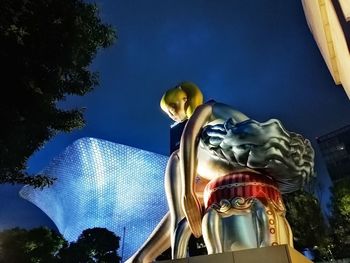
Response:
column 104, row 184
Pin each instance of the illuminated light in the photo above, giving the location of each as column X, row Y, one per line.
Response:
column 104, row 184
column 341, row 147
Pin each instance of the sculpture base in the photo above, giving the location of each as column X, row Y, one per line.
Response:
column 274, row 254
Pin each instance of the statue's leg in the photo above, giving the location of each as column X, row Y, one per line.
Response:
column 245, row 225
column 212, row 231
column 180, row 239
column 260, row 222
column 179, row 229
column 236, row 225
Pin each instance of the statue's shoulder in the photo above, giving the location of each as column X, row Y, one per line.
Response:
column 210, row 102
column 225, row 111
column 215, row 103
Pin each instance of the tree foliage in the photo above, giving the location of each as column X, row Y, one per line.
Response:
column 36, row 245
column 46, row 47
column 93, row 245
column 42, row 245
column 306, row 220
column 340, row 219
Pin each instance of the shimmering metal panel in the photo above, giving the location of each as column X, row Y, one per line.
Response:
column 104, row 184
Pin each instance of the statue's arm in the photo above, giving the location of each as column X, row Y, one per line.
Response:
column 188, row 165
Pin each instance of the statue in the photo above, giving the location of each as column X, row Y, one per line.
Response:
column 226, row 180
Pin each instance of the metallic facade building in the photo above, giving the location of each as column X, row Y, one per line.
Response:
column 104, row 184
column 335, row 148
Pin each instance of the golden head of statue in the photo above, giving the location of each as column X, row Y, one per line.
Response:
column 181, row 101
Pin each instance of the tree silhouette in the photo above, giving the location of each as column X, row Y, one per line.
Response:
column 24, row 246
column 46, row 47
column 93, row 245
column 340, row 218
column 305, row 217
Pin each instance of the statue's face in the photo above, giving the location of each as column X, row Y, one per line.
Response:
column 177, row 107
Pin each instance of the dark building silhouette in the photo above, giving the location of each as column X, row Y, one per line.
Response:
column 335, row 149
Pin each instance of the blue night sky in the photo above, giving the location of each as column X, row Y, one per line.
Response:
column 258, row 56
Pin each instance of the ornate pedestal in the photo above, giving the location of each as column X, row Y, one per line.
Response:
column 274, row 254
